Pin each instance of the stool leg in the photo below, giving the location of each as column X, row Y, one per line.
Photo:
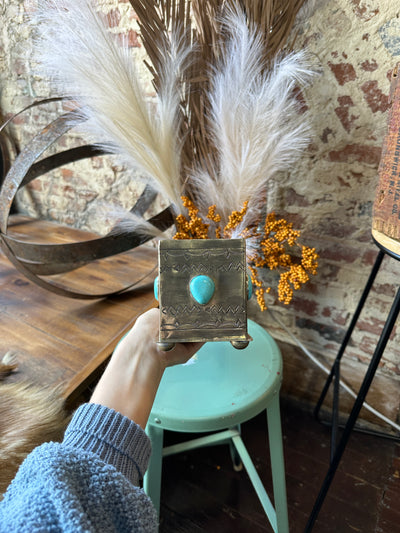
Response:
column 152, row 478
column 277, row 465
column 236, row 459
column 256, row 481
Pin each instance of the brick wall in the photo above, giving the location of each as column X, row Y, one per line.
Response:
column 74, row 194
column 329, row 194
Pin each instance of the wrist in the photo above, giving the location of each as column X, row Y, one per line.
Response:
column 130, row 381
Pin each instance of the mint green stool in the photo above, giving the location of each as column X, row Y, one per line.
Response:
column 218, row 389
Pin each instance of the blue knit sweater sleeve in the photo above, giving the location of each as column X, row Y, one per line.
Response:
column 87, row 483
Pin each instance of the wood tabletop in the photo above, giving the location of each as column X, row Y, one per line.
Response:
column 63, row 341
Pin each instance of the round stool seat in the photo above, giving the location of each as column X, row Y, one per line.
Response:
column 220, row 386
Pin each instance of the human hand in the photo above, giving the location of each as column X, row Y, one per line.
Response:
column 147, row 327
column 130, row 381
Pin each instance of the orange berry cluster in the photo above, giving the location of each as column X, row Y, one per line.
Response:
column 192, row 227
column 259, row 290
column 235, row 218
column 215, row 217
column 273, row 253
column 274, row 241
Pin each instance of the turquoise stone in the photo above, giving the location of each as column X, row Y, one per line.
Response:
column 156, row 288
column 202, row 289
column 249, row 285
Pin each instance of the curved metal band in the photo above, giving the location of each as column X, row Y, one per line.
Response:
column 45, row 259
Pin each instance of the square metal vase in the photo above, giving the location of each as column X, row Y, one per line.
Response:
column 184, row 264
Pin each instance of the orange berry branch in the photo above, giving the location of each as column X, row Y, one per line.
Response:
column 275, row 244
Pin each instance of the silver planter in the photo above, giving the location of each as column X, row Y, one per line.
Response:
column 202, row 289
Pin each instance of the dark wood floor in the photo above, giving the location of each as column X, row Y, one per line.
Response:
column 202, row 492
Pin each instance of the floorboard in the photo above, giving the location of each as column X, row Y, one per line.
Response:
column 202, row 492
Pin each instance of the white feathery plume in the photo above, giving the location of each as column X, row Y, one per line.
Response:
column 123, row 221
column 85, row 62
column 255, row 123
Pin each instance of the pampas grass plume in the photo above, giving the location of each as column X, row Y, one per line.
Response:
column 254, row 120
column 85, row 62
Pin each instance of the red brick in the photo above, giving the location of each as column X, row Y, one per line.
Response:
column 292, row 198
column 331, row 225
column 345, row 101
column 326, row 311
column 369, row 66
column 69, row 192
column 389, row 74
column 295, row 218
column 310, row 287
column 359, row 176
column 308, row 307
column 36, row 185
column 343, row 183
column 373, row 325
column 325, row 134
column 343, row 112
column 387, row 289
column 362, row 153
column 67, row 174
column 97, row 162
column 63, row 142
column 368, row 346
column 365, row 236
column 19, row 66
column 303, row 107
column 363, row 10
column 339, row 253
column 341, row 317
column 380, row 306
column 376, row 99
column 338, row 317
column 19, row 120
column 391, row 367
column 343, row 72
column 369, row 257
column 331, row 347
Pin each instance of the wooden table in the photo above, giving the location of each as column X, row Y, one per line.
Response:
column 64, row 341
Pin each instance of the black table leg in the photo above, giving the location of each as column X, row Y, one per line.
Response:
column 335, row 370
column 372, row 367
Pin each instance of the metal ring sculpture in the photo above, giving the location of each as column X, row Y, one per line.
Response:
column 35, row 260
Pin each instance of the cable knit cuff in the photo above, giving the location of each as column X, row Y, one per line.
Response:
column 112, row 437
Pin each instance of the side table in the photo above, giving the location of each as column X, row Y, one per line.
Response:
column 64, row 341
